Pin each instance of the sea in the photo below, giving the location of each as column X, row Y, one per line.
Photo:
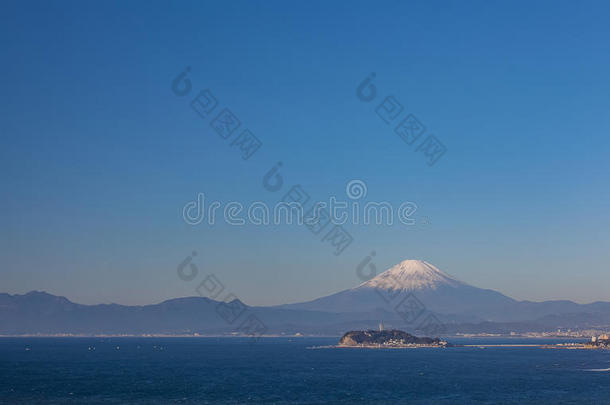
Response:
column 295, row 371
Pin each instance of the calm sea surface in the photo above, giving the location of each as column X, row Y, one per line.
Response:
column 283, row 371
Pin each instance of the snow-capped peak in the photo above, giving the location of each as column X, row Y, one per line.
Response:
column 412, row 275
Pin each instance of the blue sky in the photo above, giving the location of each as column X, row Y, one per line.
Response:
column 99, row 155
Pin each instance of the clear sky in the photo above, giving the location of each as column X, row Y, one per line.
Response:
column 99, row 155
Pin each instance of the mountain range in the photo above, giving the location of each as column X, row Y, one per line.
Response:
column 406, row 296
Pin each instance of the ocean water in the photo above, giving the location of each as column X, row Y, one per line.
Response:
column 286, row 371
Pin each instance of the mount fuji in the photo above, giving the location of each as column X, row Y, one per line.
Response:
column 442, row 294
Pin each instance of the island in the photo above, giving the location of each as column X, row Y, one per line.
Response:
column 387, row 339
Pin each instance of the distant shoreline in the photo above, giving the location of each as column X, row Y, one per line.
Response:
column 375, row 347
column 482, row 346
column 270, row 336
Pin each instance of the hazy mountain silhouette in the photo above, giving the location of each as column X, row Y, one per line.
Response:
column 442, row 294
column 42, row 313
column 462, row 307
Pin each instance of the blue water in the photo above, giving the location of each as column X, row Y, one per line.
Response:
column 282, row 371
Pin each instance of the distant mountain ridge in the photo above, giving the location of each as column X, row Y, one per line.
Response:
column 460, row 306
column 437, row 290
column 445, row 295
column 41, row 313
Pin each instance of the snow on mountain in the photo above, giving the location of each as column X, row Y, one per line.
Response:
column 412, row 275
column 438, row 291
column 441, row 294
